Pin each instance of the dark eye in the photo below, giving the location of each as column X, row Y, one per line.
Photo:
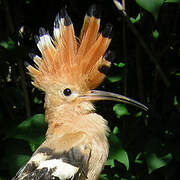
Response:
column 67, row 92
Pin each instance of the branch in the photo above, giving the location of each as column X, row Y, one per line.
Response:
column 8, row 17
column 142, row 43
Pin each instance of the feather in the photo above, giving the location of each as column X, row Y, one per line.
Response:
column 49, row 163
column 65, row 59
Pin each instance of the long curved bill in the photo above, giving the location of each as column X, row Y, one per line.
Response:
column 103, row 95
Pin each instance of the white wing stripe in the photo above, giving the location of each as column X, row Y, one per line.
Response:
column 62, row 170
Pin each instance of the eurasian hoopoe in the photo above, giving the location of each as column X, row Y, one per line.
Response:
column 76, row 145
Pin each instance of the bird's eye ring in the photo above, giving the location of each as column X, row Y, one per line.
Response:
column 67, row 92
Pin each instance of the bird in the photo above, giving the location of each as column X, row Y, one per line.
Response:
column 68, row 71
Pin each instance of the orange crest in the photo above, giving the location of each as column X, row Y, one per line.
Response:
column 70, row 60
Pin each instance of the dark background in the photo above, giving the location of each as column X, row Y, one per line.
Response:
column 143, row 146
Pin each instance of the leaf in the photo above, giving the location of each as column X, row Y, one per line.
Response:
column 119, row 155
column 172, row 1
column 37, row 101
column 122, row 157
column 110, row 162
column 117, row 152
column 120, row 110
column 7, row 44
column 120, row 65
column 154, row 162
column 32, row 129
column 177, row 74
column 114, row 79
column 137, row 159
column 151, row 6
column 21, row 159
column 114, row 140
column 137, row 19
column 175, row 101
column 115, row 130
column 103, row 177
column 139, row 114
column 34, row 146
column 155, row 34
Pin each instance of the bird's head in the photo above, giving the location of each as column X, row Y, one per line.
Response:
column 70, row 67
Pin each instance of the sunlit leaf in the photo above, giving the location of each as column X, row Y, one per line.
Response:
column 151, row 6
column 37, row 101
column 155, row 34
column 115, row 130
column 113, row 79
column 177, row 74
column 122, row 157
column 120, row 110
column 120, row 65
column 117, row 152
column 137, row 159
column 119, row 155
column 134, row 20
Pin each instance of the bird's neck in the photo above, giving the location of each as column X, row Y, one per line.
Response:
column 71, row 119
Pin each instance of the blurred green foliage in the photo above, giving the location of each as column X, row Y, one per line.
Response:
column 151, row 6
column 143, row 146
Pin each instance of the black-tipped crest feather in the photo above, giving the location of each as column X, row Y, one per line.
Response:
column 56, row 21
column 26, row 64
column 42, row 31
column 94, row 11
column 63, row 13
column 32, row 55
column 104, row 69
column 83, row 57
column 109, row 56
column 67, row 21
column 36, row 38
